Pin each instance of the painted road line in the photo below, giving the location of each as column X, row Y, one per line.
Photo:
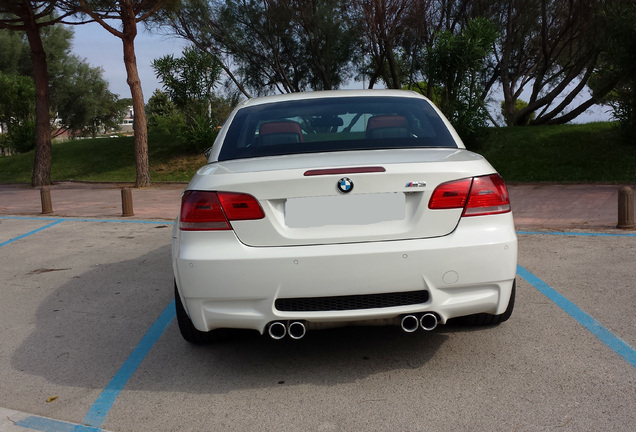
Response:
column 577, row 233
column 97, row 413
column 44, row 424
column 56, row 221
column 615, row 343
column 133, row 221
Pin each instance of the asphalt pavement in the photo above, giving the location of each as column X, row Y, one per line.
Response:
column 81, row 296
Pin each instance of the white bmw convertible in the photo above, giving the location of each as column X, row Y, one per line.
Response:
column 341, row 208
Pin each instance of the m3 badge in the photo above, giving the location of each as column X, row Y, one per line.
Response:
column 419, row 184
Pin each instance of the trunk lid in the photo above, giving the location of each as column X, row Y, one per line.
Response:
column 345, row 197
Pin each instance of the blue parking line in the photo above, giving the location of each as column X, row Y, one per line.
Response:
column 43, row 424
column 578, row 233
column 124, row 221
column 615, row 343
column 97, row 413
column 56, row 221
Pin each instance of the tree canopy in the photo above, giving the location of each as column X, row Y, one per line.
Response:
column 189, row 83
column 80, row 102
column 31, row 16
column 545, row 51
column 549, row 60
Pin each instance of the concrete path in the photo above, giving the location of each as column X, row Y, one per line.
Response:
column 565, row 206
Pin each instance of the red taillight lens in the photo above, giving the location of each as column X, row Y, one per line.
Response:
column 489, row 195
column 477, row 196
column 202, row 211
column 240, row 206
column 205, row 211
column 450, row 195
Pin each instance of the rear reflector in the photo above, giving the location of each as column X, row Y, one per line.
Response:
column 478, row 196
column 207, row 211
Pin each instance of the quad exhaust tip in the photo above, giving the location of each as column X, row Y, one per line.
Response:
column 295, row 329
column 277, row 330
column 411, row 323
column 428, row 321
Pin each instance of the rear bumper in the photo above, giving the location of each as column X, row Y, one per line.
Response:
column 225, row 284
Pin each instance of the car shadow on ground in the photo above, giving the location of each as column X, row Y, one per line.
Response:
column 323, row 357
column 85, row 329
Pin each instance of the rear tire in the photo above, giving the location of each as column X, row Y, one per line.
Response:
column 485, row 319
column 189, row 331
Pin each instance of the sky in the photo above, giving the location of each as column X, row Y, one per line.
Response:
column 99, row 48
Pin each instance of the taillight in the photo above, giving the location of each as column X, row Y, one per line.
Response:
column 488, row 195
column 450, row 195
column 240, row 206
column 206, row 211
column 477, row 196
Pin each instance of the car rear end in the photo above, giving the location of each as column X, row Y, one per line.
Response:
column 348, row 228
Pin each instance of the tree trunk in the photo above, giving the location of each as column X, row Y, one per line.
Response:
column 42, row 162
column 139, row 119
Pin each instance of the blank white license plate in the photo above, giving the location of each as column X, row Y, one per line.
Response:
column 362, row 209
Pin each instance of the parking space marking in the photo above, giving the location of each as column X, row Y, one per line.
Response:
column 65, row 219
column 578, row 234
column 97, row 413
column 96, row 416
column 20, row 237
column 615, row 343
column 43, row 424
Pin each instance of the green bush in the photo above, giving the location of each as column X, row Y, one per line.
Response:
column 21, row 137
column 166, row 124
column 199, row 134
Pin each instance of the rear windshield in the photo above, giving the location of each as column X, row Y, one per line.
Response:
column 334, row 124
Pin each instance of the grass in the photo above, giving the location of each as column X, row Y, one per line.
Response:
column 107, row 160
column 586, row 153
column 589, row 153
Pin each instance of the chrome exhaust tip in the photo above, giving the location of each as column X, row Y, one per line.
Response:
column 409, row 323
column 428, row 321
column 296, row 330
column 277, row 330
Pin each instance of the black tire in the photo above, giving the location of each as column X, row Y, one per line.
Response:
column 187, row 329
column 485, row 319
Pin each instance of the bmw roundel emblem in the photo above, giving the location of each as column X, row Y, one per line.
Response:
column 345, row 185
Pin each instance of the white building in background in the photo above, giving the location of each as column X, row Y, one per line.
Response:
column 127, row 123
